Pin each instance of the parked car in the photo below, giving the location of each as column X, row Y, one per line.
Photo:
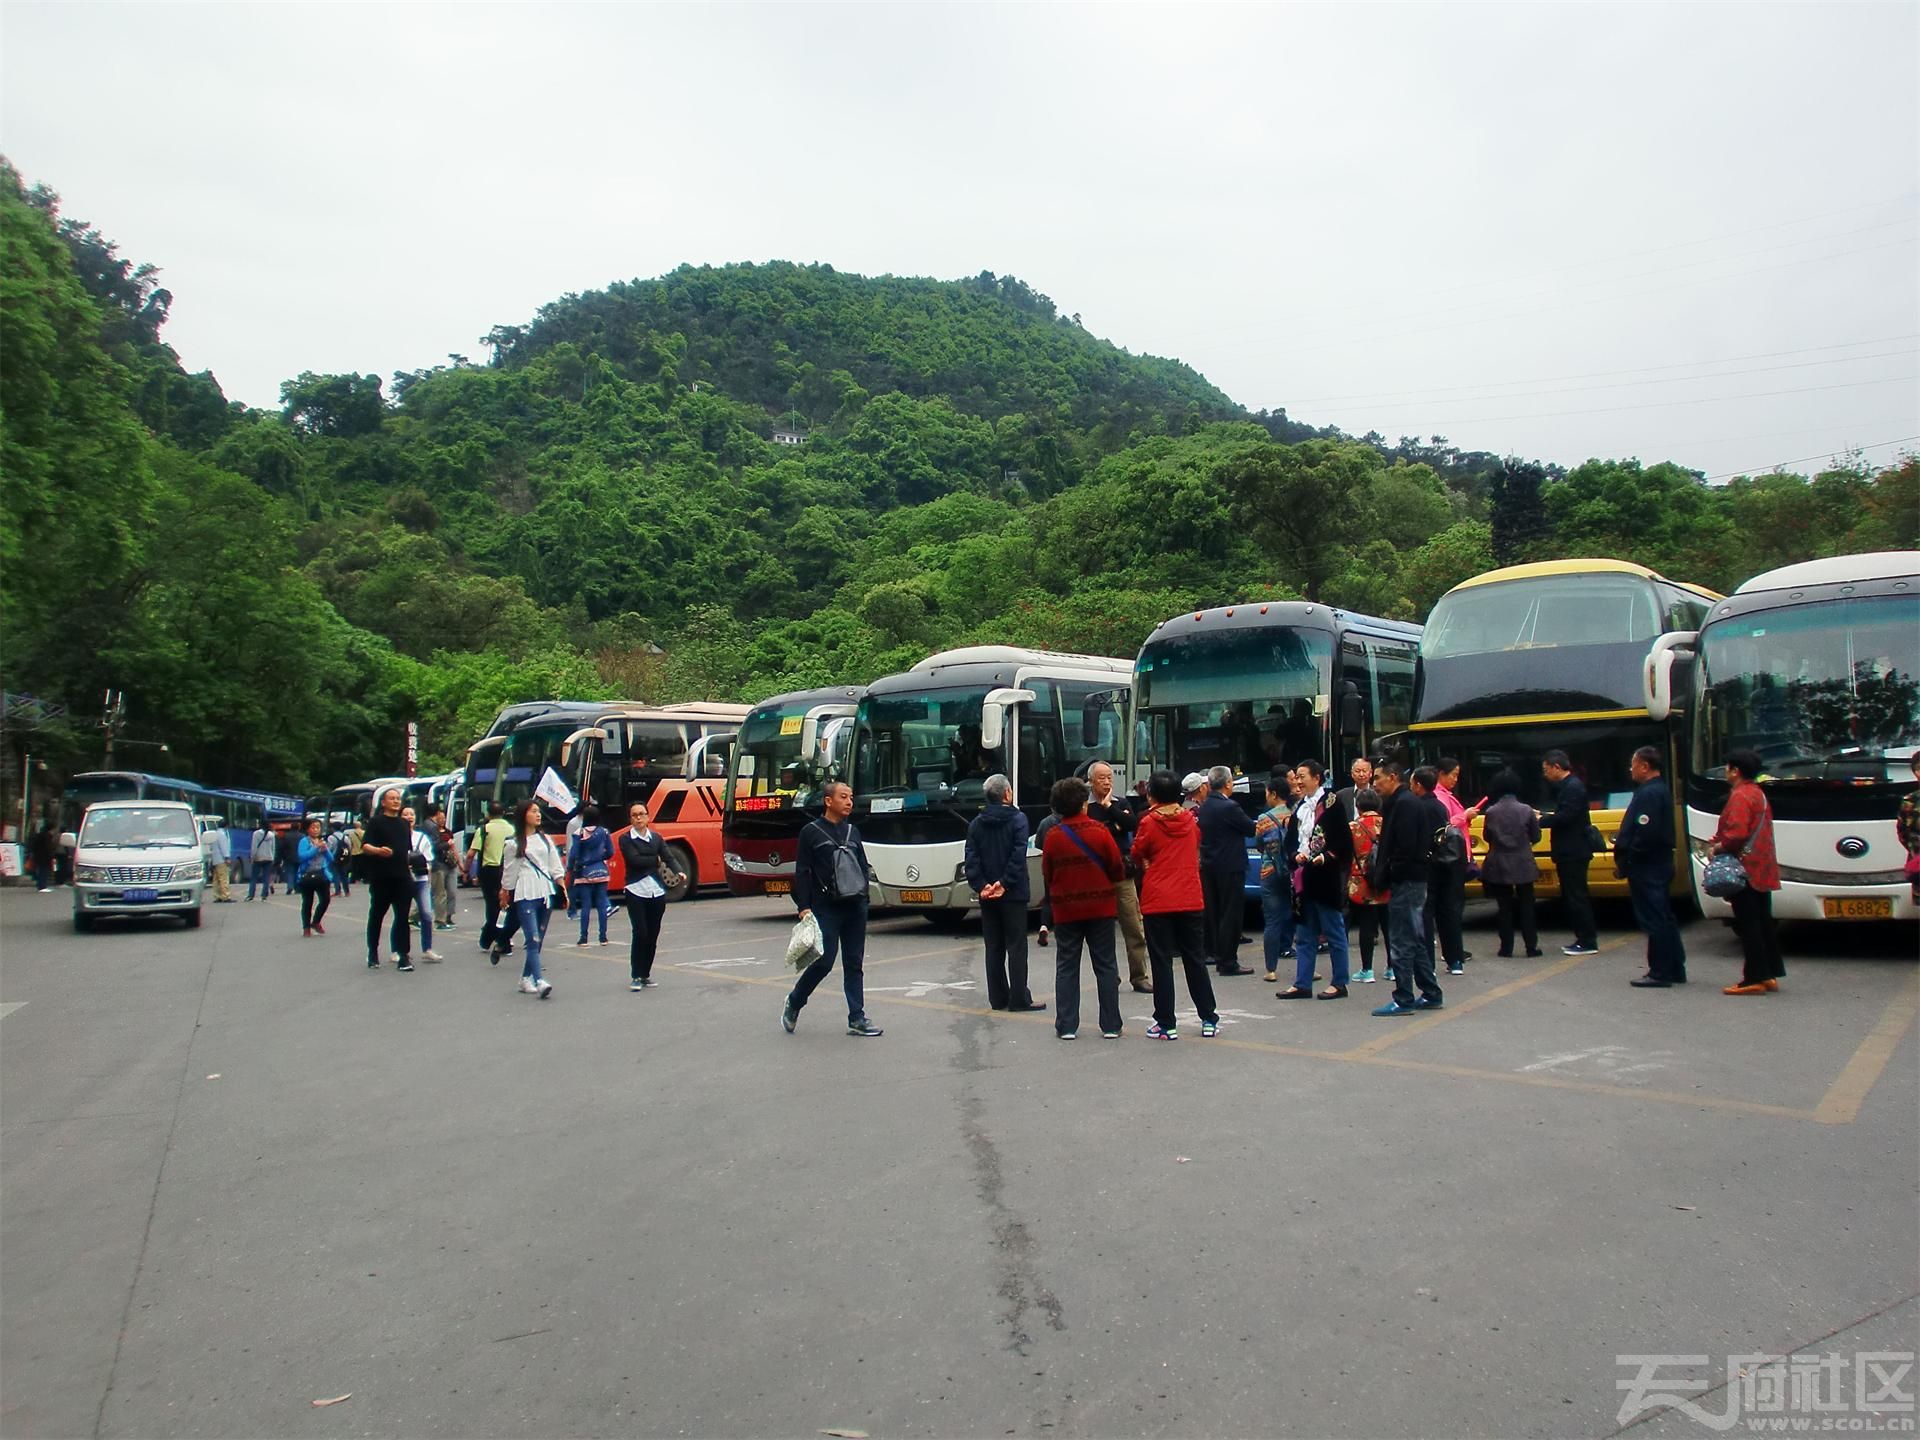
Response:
column 137, row 857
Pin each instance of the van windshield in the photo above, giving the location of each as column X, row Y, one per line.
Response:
column 127, row 827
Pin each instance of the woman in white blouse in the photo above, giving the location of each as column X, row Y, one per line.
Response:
column 532, row 872
column 419, row 864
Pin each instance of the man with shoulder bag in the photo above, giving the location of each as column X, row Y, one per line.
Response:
column 830, row 876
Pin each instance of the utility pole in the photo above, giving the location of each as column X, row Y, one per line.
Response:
column 113, row 715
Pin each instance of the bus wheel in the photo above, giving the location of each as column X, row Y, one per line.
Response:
column 948, row 920
column 681, row 859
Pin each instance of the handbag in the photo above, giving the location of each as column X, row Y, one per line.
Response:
column 1725, row 877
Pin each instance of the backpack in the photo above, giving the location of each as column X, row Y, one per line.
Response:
column 849, row 875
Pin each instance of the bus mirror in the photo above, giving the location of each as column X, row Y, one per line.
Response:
column 993, row 714
column 1090, row 726
column 1665, row 660
column 1352, row 714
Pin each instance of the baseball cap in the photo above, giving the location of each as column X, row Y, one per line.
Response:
column 1194, row 781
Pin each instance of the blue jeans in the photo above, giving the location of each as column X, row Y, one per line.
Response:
column 260, row 878
column 423, row 910
column 591, row 896
column 531, row 917
column 843, row 931
column 1276, row 910
column 1316, row 921
column 1407, row 949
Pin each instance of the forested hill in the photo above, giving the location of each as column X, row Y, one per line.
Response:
column 600, row 507
column 813, row 343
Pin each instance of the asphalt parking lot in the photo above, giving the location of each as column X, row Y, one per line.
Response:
column 239, row 1173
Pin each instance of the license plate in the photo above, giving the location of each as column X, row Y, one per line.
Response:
column 779, row 887
column 916, row 897
column 1878, row 908
column 139, row 897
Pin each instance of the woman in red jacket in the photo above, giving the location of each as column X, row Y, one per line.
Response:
column 1081, row 863
column 1746, row 831
column 1167, row 849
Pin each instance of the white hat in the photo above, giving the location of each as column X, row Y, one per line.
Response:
column 1194, row 781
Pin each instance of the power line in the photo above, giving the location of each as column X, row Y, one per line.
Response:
column 1774, row 469
column 1633, row 384
column 1670, row 404
column 1602, row 374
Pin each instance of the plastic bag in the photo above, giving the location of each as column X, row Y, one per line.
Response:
column 804, row 945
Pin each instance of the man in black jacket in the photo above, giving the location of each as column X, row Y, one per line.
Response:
column 1409, row 820
column 829, row 882
column 1571, row 847
column 1225, row 829
column 996, row 863
column 1643, row 852
column 1324, row 854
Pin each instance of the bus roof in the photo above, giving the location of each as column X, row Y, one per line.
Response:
column 1266, row 614
column 1012, row 655
column 1579, row 567
column 1874, row 565
column 689, row 710
column 826, row 695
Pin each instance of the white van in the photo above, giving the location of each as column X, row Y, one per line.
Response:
column 137, row 857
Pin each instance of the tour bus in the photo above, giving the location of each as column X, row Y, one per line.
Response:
column 1266, row 684
column 1817, row 668
column 926, row 740
column 672, row 758
column 356, row 802
column 240, row 812
column 788, row 748
column 1532, row 658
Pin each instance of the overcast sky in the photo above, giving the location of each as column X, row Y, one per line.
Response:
column 1677, row 232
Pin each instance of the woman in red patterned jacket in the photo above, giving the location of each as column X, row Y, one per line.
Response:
column 1746, row 831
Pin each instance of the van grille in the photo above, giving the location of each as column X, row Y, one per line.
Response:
column 138, row 874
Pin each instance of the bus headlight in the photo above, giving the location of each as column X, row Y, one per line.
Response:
column 730, row 860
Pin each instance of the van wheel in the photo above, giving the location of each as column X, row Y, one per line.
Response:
column 192, row 917
column 82, row 923
column 683, row 862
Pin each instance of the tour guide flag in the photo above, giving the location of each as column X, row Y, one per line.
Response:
column 552, row 790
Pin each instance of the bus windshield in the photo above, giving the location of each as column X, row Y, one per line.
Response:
column 1601, row 752
column 926, row 741
column 1601, row 609
column 771, row 767
column 1249, row 699
column 1823, row 691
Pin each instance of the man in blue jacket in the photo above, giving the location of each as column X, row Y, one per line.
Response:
column 1225, row 832
column 997, row 871
column 1643, row 852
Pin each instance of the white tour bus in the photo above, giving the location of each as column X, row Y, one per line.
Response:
column 925, row 742
column 1817, row 668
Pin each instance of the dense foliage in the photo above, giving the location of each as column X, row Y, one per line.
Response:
column 602, row 508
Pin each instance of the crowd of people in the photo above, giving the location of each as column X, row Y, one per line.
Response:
column 1384, row 861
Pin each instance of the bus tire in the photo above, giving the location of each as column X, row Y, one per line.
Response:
column 946, row 920
column 681, row 859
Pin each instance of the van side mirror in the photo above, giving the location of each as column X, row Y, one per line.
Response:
column 69, row 840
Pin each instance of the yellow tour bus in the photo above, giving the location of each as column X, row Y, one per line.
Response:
column 1532, row 658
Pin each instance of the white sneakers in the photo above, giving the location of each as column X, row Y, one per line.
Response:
column 432, row 955
column 527, row 987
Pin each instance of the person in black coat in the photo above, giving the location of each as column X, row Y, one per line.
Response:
column 1643, row 852
column 1225, row 830
column 1570, row 845
column 1325, row 856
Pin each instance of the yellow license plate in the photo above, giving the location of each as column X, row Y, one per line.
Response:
column 916, row 897
column 1879, row 908
column 779, row 887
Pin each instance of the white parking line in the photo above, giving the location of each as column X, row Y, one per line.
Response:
column 6, row 1010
